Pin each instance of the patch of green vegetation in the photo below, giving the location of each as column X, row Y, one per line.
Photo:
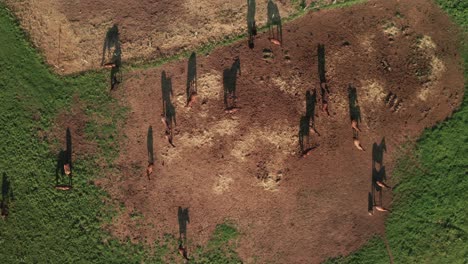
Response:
column 457, row 9
column 343, row 4
column 220, row 248
column 372, row 253
column 299, row 4
column 45, row 225
column 428, row 223
column 134, row 215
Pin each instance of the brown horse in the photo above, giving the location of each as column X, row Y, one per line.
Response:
column 164, row 121
column 382, row 184
column 168, row 132
column 325, row 108
column 324, row 92
column 168, row 136
column 149, row 170
column 183, row 251
column 354, row 125
column 381, row 209
column 275, row 41
column 231, row 110
column 358, row 144
column 63, row 187
column 109, row 65
column 192, row 100
column 67, row 169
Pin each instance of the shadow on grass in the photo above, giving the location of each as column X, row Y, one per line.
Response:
column 7, row 195
column 64, row 166
column 378, row 173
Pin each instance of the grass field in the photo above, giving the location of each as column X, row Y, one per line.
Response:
column 428, row 223
column 49, row 226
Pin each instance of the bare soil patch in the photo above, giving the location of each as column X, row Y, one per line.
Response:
column 76, row 120
column 244, row 166
column 71, row 33
column 149, row 29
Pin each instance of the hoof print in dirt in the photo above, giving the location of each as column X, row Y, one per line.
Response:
column 268, row 180
column 286, row 57
column 267, row 54
column 385, row 65
column 261, row 172
column 393, row 102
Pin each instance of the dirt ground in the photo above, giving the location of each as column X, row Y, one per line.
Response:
column 149, row 28
column 71, row 33
column 401, row 56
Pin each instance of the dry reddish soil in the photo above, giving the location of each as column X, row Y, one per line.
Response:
column 301, row 210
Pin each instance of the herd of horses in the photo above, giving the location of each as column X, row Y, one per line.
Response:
column 112, row 60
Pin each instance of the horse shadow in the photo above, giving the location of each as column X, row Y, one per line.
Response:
column 116, row 77
column 311, row 100
column 169, row 111
column 354, row 110
column 230, row 84
column 370, row 202
column 321, row 63
column 378, row 174
column 59, row 170
column 7, row 195
column 274, row 19
column 68, row 152
column 378, row 152
column 111, row 47
column 112, row 55
column 149, row 145
column 251, row 26
column 304, row 133
column 191, row 77
column 303, row 4
column 64, row 158
column 183, row 219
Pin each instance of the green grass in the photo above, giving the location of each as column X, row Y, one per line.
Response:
column 45, row 225
column 373, row 252
column 49, row 226
column 428, row 223
column 457, row 9
column 220, row 248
